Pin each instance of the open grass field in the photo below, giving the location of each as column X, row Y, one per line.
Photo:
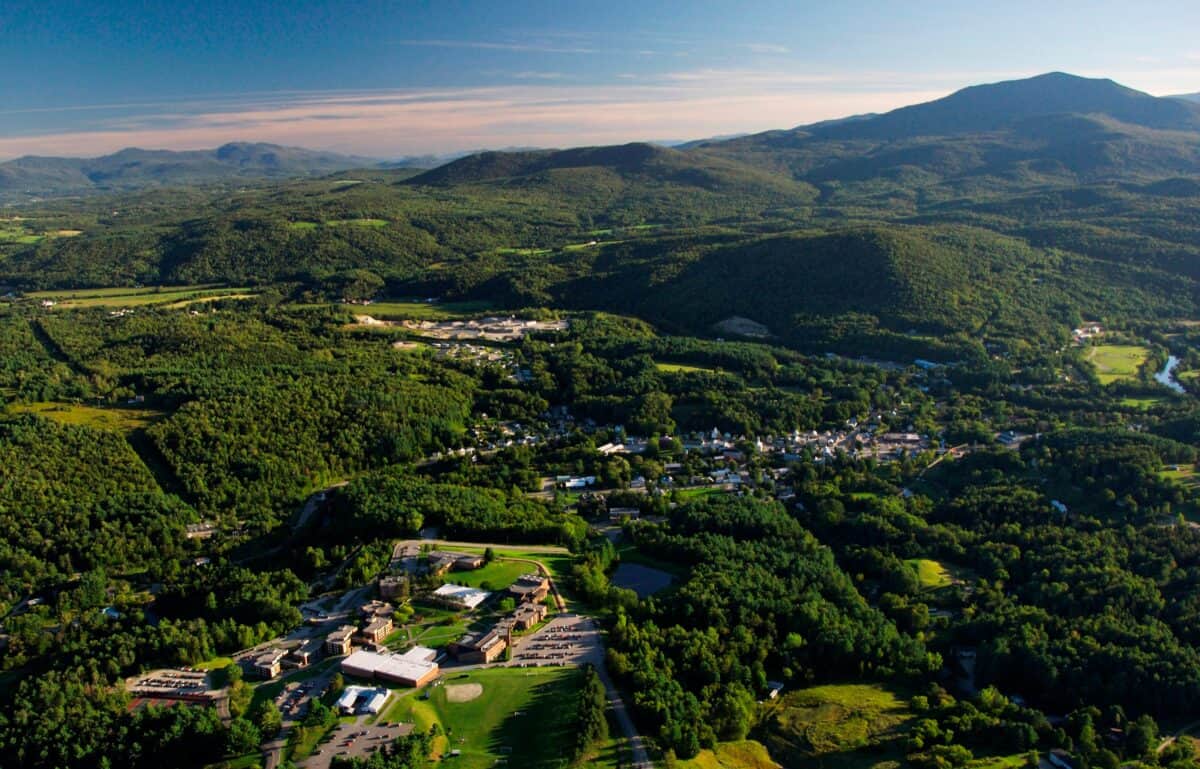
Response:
column 508, row 251
column 1116, row 362
column 840, row 726
column 931, row 574
column 1001, row 762
column 216, row 663
column 559, row 565
column 95, row 293
column 521, row 712
column 1141, row 402
column 121, row 419
column 746, row 754
column 415, row 309
column 498, row 575
column 683, row 368
column 700, row 492
column 173, row 297
column 303, row 226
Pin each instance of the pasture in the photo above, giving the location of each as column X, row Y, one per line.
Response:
column 415, row 309
column 171, row 297
column 1117, row 362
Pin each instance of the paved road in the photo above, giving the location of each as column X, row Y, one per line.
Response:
column 1186, row 729
column 551, row 549
column 641, row 758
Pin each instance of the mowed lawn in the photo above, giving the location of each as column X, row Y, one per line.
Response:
column 497, row 575
column 121, row 419
column 1116, row 362
column 525, row 715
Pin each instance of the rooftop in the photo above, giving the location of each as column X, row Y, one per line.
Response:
column 466, row 596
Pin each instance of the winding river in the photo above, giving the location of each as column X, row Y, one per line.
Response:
column 1167, row 375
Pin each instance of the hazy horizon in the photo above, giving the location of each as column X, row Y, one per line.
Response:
column 385, row 83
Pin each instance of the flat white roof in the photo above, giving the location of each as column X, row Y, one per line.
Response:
column 467, row 596
column 394, row 667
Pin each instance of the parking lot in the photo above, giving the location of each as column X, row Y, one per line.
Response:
column 565, row 640
column 293, row 701
column 356, row 739
column 171, row 684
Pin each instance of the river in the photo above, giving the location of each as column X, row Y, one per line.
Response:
column 1167, row 375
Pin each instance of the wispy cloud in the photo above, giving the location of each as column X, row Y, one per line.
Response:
column 766, row 48
column 391, row 123
column 486, row 45
column 543, row 111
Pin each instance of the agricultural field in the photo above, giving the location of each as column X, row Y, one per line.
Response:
column 415, row 309
column 495, row 713
column 1117, row 362
column 842, row 726
column 931, row 574
column 172, row 297
column 121, row 419
column 746, row 754
column 304, row 226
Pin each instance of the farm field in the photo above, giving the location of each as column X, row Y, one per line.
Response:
column 931, row 574
column 526, row 712
column 415, row 309
column 307, row 225
column 1117, row 362
column 842, row 726
column 116, row 298
column 122, row 419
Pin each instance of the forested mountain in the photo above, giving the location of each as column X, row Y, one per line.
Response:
column 1050, row 129
column 1002, row 210
column 134, row 168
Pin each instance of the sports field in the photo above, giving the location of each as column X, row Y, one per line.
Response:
column 500, row 713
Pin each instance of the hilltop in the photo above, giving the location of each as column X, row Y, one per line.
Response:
column 1053, row 129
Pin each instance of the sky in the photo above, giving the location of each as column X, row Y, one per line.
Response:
column 390, row 79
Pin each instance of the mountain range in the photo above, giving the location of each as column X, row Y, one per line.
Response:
column 132, row 168
column 1009, row 209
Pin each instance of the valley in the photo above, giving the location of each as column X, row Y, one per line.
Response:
column 864, row 444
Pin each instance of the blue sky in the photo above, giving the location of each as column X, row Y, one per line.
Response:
column 393, row 78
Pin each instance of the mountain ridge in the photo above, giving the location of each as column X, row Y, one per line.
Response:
column 135, row 168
